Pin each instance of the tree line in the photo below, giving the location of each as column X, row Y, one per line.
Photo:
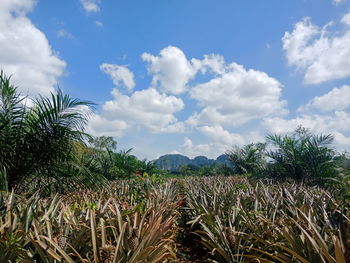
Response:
column 44, row 146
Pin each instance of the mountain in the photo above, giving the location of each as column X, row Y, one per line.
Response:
column 223, row 159
column 202, row 161
column 172, row 162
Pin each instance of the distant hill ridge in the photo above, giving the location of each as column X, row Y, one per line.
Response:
column 172, row 162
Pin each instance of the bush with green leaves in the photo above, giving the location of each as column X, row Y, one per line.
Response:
column 38, row 139
column 113, row 164
column 250, row 159
column 303, row 156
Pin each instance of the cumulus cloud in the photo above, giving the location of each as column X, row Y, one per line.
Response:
column 220, row 139
column 25, row 52
column 323, row 114
column 171, row 70
column 337, row 123
column 120, row 75
column 91, row 6
column 210, row 63
column 98, row 125
column 336, row 99
column 232, row 96
column 346, row 19
column 235, row 96
column 210, row 150
column 219, row 135
column 177, row 127
column 223, row 137
column 146, row 109
column 323, row 56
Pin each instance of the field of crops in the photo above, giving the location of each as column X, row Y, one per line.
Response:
column 213, row 219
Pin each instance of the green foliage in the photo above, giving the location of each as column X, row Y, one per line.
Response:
column 250, row 159
column 300, row 156
column 303, row 156
column 3, row 179
column 103, row 142
column 112, row 164
column 213, row 170
column 37, row 142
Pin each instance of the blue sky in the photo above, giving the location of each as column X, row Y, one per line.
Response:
column 187, row 76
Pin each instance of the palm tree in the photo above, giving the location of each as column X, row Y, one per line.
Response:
column 114, row 164
column 38, row 140
column 249, row 159
column 303, row 156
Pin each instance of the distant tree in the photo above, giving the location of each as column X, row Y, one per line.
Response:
column 303, row 156
column 148, row 167
column 250, row 159
column 113, row 164
column 189, row 170
column 224, row 169
column 103, row 143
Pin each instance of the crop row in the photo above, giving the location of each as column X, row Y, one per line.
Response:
column 229, row 219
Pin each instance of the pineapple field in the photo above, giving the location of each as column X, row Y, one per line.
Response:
column 171, row 131
column 191, row 219
column 67, row 196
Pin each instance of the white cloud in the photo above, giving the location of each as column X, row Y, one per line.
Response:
column 120, row 75
column 336, row 99
column 221, row 136
column 177, row 127
column 334, row 120
column 236, row 96
column 210, row 63
column 25, row 52
column 146, row 109
column 218, row 134
column 98, row 125
column 221, row 141
column 337, row 123
column 99, row 23
column 64, row 34
column 341, row 141
column 346, row 19
column 336, row 2
column 17, row 7
column 323, row 56
column 231, row 97
column 91, row 6
column 171, row 70
column 210, row 150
